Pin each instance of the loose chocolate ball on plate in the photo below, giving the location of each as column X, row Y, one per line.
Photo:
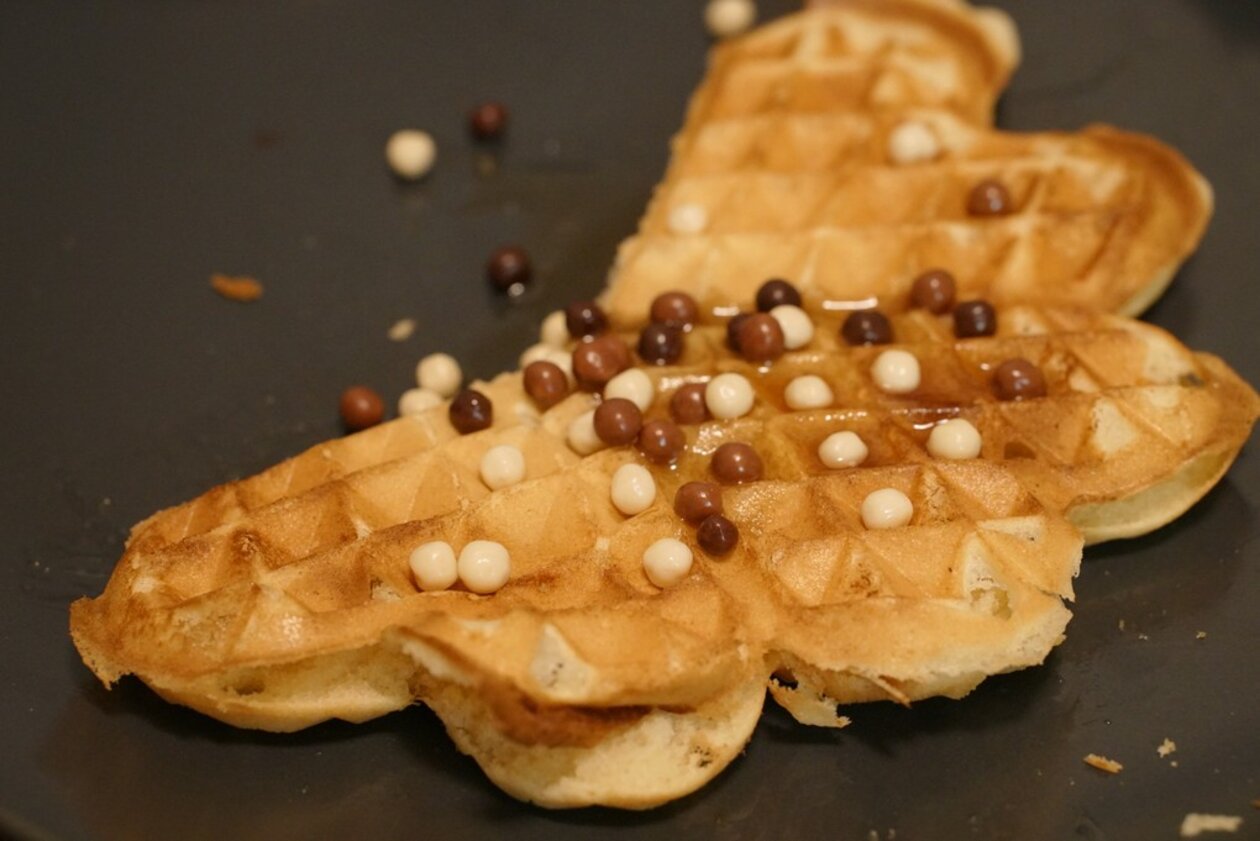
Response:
column 488, row 120
column 508, row 268
column 361, row 407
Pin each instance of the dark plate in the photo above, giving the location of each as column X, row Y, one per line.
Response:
column 147, row 145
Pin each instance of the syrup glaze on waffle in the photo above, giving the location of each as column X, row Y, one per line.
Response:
column 1097, row 366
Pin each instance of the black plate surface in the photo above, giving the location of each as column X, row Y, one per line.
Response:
column 149, row 144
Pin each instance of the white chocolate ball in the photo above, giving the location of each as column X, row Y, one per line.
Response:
column 797, row 327
column 410, row 153
column 634, row 385
column 842, row 449
column 887, row 508
column 502, row 466
column 953, row 439
column 913, row 142
column 667, row 562
column 415, row 401
column 808, row 392
column 896, row 371
column 581, row 435
column 728, row 396
column 633, row 489
column 563, row 360
column 433, row 565
column 688, row 219
column 554, row 331
column 441, row 373
column 484, row 566
column 727, row 18
column 533, row 353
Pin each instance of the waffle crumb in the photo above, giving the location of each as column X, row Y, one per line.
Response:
column 1102, row 763
column 243, row 288
column 1166, row 747
column 1122, row 624
column 401, row 330
column 1200, row 635
column 1195, row 824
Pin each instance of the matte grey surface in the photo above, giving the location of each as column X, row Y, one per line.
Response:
column 146, row 145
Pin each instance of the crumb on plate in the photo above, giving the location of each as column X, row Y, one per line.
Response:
column 401, row 330
column 1166, row 747
column 243, row 288
column 1195, row 824
column 1102, row 763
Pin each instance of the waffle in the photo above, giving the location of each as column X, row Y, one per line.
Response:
column 1101, row 218
column 286, row 599
column 299, row 606
column 863, row 55
column 806, row 186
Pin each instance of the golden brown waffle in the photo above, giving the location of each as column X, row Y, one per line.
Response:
column 1151, row 385
column 286, row 599
column 805, row 185
column 863, row 55
column 1101, row 218
column 300, row 607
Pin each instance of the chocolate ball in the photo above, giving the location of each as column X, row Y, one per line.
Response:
column 597, row 361
column 546, row 383
column 867, row 327
column 989, row 198
column 736, row 462
column 676, row 308
column 661, row 441
column 697, row 500
column 488, row 120
column 508, row 268
column 585, row 318
column 934, row 291
column 1018, row 379
column 361, row 407
column 661, row 344
column 618, row 421
column 974, row 318
column 717, row 535
column 732, row 330
column 688, row 406
column 471, row 411
column 760, row 338
column 775, row 292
